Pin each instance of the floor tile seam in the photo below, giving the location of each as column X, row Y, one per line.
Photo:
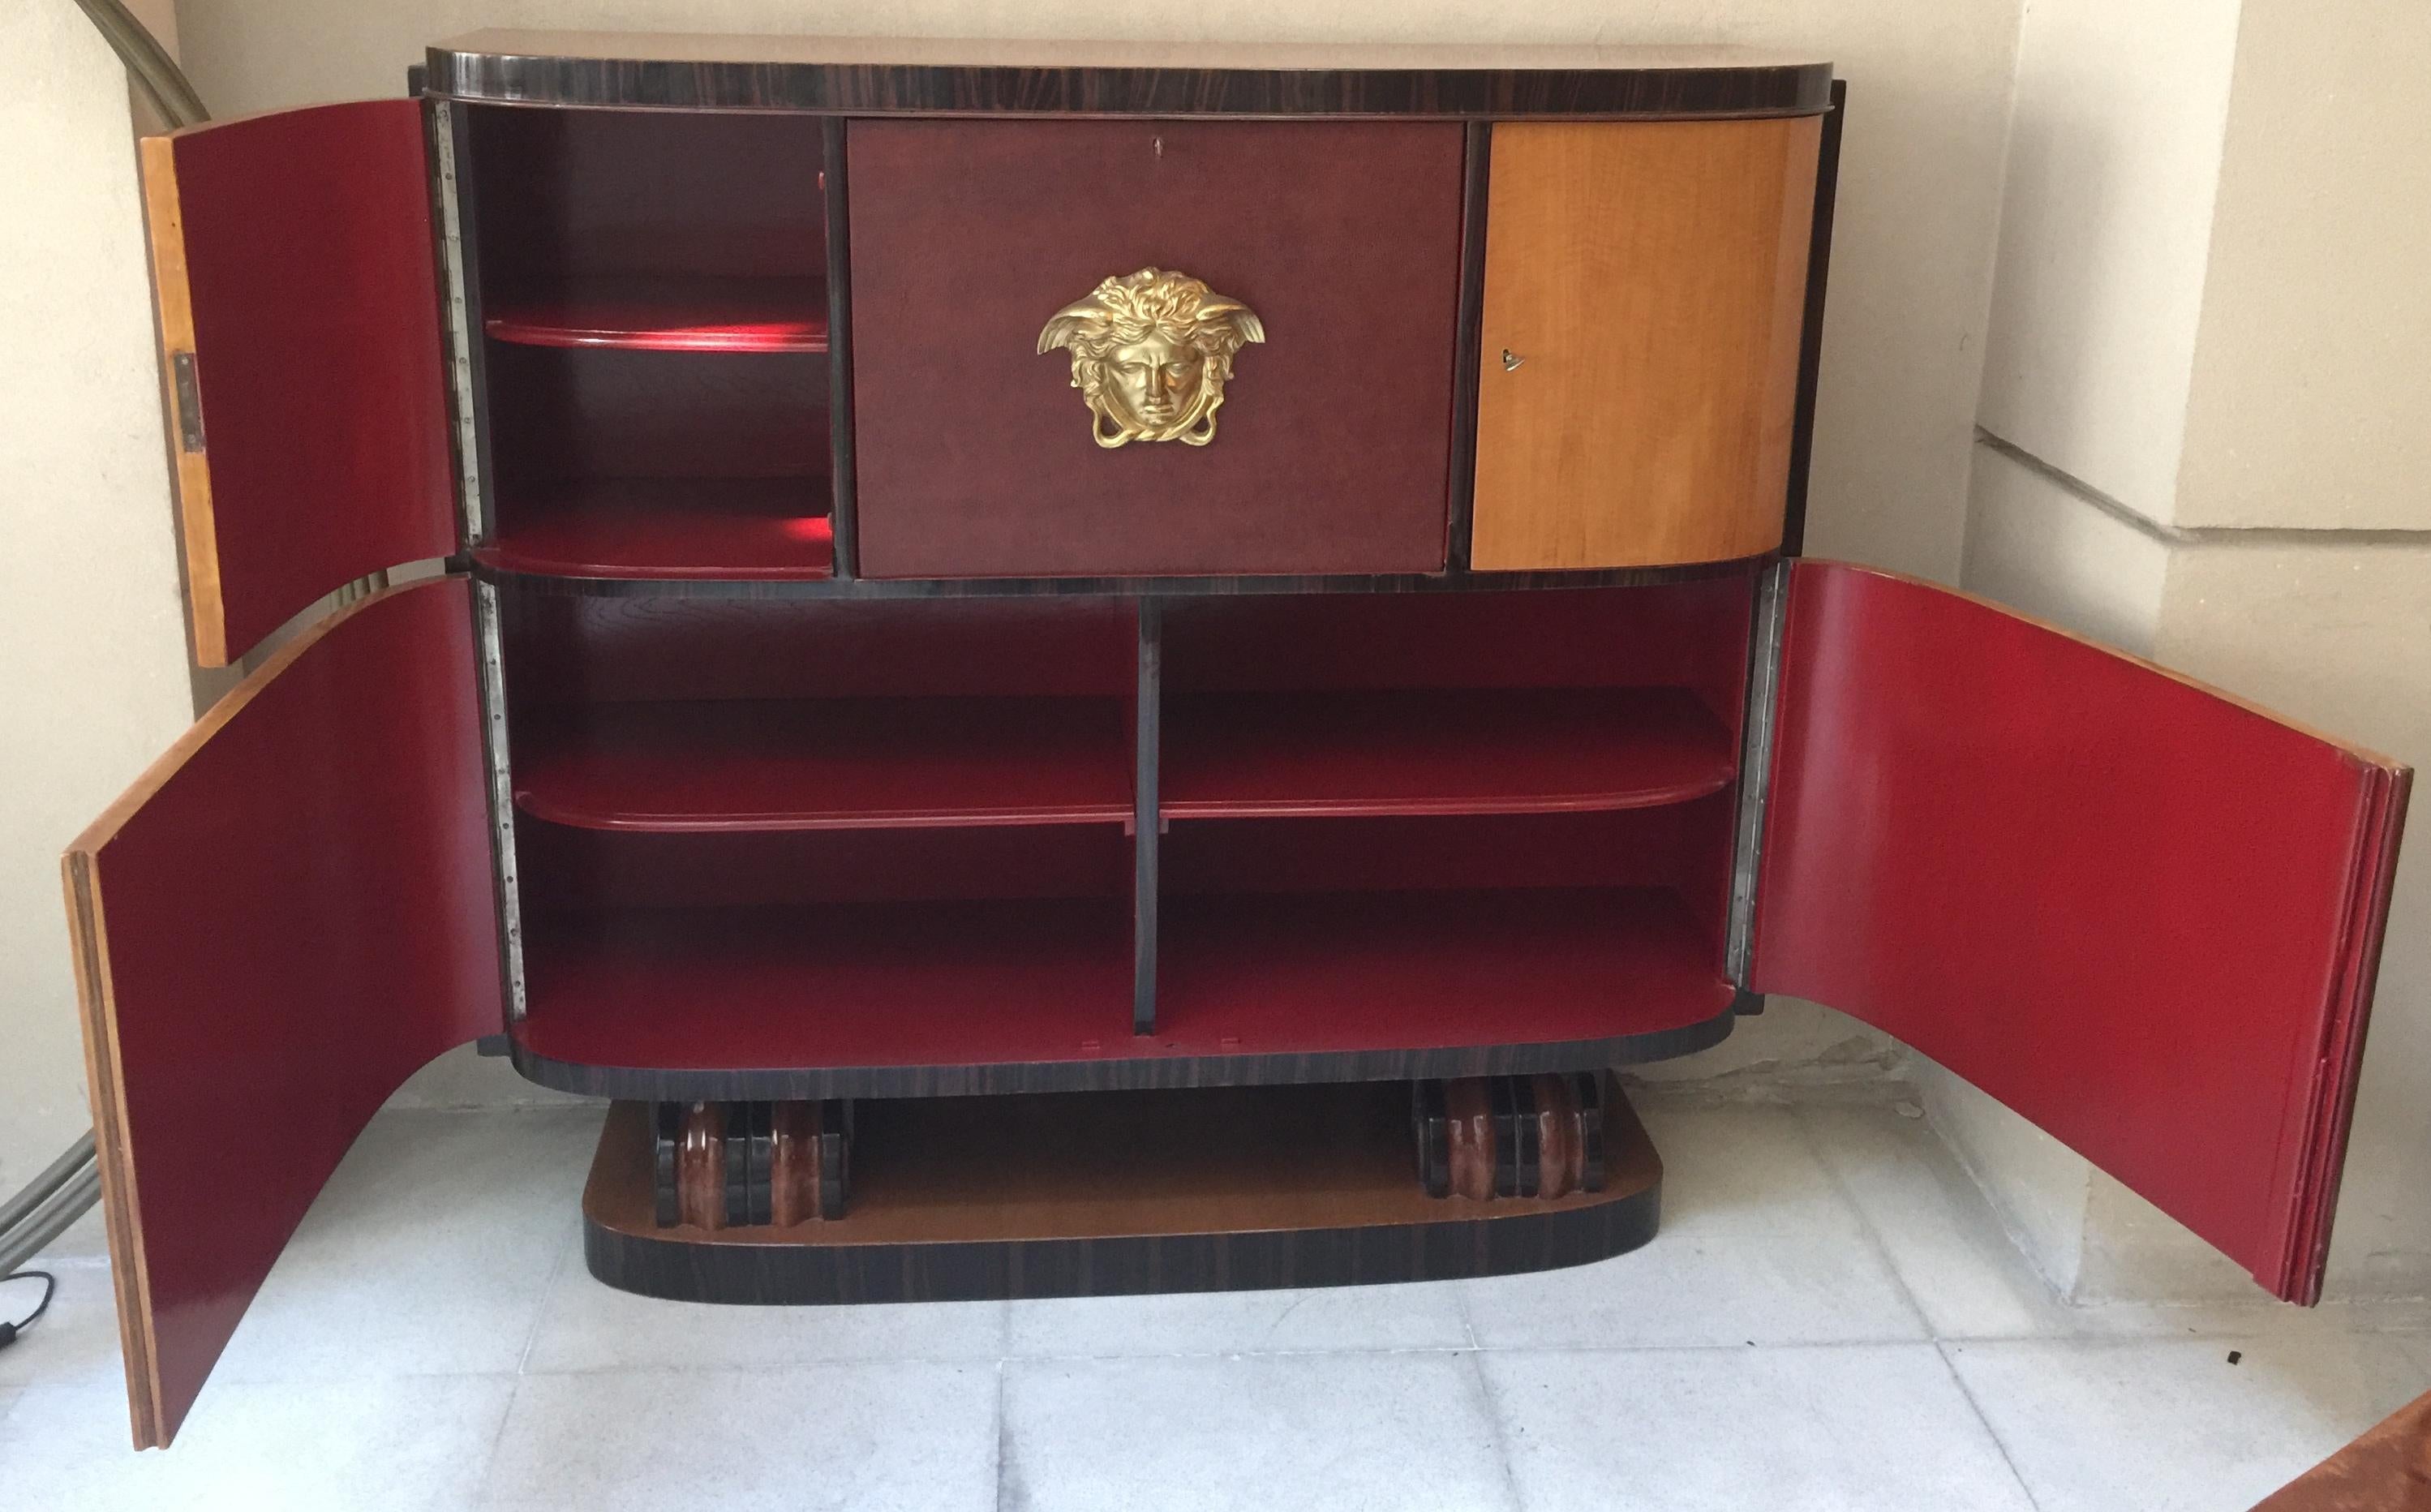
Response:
column 1874, row 1239
column 1967, row 1392
column 1490, row 1404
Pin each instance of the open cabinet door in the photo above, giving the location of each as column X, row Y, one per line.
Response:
column 2143, row 914
column 298, row 290
column 282, row 920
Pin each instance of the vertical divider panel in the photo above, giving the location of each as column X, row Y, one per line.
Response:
column 841, row 512
column 1146, row 819
column 1475, row 167
column 1810, row 349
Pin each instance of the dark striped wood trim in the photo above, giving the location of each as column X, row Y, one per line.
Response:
column 1116, row 587
column 1652, row 91
column 1810, row 344
column 1140, row 1073
column 1242, row 1244
column 843, row 517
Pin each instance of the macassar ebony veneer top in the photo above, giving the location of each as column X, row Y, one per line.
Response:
column 873, row 76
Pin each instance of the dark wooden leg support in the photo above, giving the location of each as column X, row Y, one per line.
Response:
column 1100, row 1193
column 718, row 1165
column 1510, row 1137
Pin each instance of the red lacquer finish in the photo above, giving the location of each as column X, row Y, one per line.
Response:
column 1333, row 450
column 285, row 917
column 923, row 982
column 828, row 763
column 646, row 528
column 2143, row 914
column 1017, row 981
column 669, row 316
column 308, row 258
column 1294, row 973
column 1439, row 751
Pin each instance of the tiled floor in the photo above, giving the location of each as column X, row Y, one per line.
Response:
column 1828, row 1319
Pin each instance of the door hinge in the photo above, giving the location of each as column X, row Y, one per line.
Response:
column 187, row 398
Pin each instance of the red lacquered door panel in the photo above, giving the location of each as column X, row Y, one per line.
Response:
column 973, row 454
column 281, row 920
column 2141, row 913
column 299, row 316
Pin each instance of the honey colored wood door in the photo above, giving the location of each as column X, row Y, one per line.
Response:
column 1644, row 289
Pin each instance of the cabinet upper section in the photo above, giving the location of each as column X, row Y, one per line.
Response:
column 888, row 76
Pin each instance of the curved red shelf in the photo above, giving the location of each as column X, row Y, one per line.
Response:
column 756, row 527
column 1421, row 751
column 827, row 764
column 1020, row 981
column 669, row 316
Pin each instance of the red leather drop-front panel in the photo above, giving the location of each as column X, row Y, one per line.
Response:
column 1332, row 452
column 308, row 256
column 2143, row 914
column 294, row 915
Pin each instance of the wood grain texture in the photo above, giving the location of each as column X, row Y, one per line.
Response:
column 323, row 401
column 287, row 915
column 1105, row 1194
column 1649, row 281
column 173, row 298
column 2388, row 1469
column 2161, row 909
column 875, row 76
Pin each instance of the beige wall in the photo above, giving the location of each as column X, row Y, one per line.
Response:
column 2106, row 229
column 2240, row 343
column 2311, row 400
column 89, row 598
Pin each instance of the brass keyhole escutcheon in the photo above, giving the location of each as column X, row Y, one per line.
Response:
column 1150, row 354
column 1510, row 361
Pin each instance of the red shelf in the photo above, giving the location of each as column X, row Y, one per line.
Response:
column 1299, row 974
column 1525, row 751
column 830, row 764
column 859, row 984
column 669, row 316
column 942, row 984
column 757, row 527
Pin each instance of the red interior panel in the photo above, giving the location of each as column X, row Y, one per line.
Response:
column 315, row 295
column 974, row 452
column 653, row 285
column 566, row 648
column 282, row 921
column 2144, row 915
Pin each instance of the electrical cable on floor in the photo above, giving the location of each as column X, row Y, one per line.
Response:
column 9, row 1331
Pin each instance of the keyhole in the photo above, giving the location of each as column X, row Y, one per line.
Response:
column 1510, row 361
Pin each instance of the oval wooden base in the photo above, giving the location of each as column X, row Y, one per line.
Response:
column 1099, row 1194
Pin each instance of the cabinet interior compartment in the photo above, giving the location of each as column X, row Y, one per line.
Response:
column 651, row 289
column 1536, row 701
column 774, row 833
column 1418, row 821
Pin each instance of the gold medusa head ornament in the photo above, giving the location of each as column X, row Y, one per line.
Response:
column 1150, row 353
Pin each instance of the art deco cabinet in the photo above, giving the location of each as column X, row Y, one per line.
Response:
column 1078, row 669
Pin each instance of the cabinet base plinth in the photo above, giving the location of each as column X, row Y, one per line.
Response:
column 1107, row 1193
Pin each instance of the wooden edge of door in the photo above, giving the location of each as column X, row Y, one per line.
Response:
column 128, row 1276
column 88, row 932
column 2363, row 930
column 190, row 467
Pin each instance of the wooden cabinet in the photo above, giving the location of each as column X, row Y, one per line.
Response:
column 999, row 837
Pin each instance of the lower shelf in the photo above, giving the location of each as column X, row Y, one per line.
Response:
column 1102, row 1194
column 928, row 999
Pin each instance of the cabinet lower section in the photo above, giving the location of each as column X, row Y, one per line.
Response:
column 1102, row 1194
